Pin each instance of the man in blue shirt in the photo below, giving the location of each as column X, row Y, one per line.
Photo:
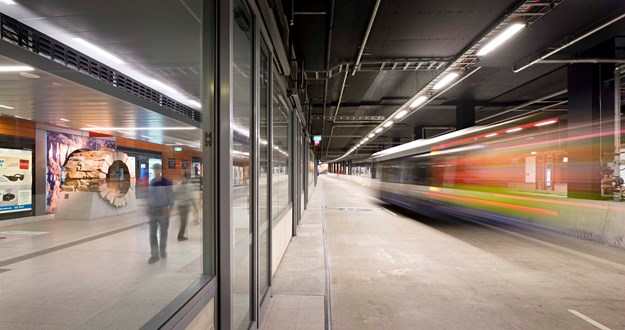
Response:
column 160, row 204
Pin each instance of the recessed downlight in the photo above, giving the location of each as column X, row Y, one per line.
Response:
column 388, row 124
column 378, row 130
column 371, row 135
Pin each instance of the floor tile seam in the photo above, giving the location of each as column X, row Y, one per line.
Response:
column 28, row 256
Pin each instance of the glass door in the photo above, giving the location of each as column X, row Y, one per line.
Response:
column 242, row 124
column 264, row 168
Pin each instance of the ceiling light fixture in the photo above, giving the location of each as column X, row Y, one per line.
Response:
column 491, row 135
column 388, row 124
column 366, row 139
column 417, row 102
column 512, row 130
column 446, row 80
column 63, row 119
column 15, row 68
column 6, row 107
column 545, row 123
column 371, row 135
column 378, row 130
column 501, row 38
column 8, row 2
column 401, row 114
column 99, row 50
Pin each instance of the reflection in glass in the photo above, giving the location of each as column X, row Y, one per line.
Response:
column 263, row 177
column 242, row 87
column 280, row 170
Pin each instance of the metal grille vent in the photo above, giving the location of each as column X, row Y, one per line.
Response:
column 28, row 38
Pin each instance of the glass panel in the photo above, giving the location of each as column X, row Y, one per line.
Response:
column 242, row 87
column 280, row 178
column 263, row 177
column 98, row 227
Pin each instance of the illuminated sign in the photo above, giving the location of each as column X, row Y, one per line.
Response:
column 15, row 180
column 177, row 148
column 316, row 140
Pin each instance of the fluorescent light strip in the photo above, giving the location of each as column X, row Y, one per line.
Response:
column 545, row 123
column 491, row 135
column 6, row 107
column 401, row 114
column 501, row 38
column 379, row 130
column 99, row 50
column 371, row 135
column 388, row 124
column 63, row 119
column 512, row 130
column 418, row 101
column 15, row 68
column 446, row 80
column 91, row 127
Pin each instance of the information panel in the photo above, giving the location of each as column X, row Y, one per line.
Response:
column 16, row 180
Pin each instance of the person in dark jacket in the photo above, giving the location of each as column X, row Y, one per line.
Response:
column 160, row 204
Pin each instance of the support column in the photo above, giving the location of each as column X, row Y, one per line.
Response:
column 417, row 133
column 590, row 97
column 465, row 115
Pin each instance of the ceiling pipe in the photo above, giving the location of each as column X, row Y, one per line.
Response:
column 546, row 97
column 326, row 81
column 583, row 60
column 338, row 105
column 364, row 40
column 570, row 43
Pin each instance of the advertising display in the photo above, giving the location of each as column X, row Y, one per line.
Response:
column 16, row 180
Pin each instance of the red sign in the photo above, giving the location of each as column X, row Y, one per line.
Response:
column 24, row 164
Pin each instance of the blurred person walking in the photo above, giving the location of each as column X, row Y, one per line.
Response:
column 185, row 201
column 160, row 204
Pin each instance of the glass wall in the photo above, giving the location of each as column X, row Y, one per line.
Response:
column 242, row 96
column 264, row 251
column 280, row 179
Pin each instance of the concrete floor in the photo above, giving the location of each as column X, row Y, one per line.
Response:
column 396, row 270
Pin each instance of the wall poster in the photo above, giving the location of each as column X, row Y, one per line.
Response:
column 16, row 180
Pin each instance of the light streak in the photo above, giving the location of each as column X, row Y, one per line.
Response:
column 496, row 204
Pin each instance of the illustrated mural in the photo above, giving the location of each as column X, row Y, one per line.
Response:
column 60, row 147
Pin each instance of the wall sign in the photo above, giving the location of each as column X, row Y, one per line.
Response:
column 171, row 162
column 16, row 180
column 185, row 164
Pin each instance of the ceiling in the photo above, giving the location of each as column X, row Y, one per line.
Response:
column 160, row 40
column 432, row 29
column 133, row 31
